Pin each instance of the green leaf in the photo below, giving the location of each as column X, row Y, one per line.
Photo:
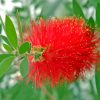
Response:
column 98, row 15
column 10, row 32
column 24, row 67
column 97, row 79
column 22, row 91
column 62, row 92
column 5, row 39
column 77, row 9
column 25, row 47
column 2, row 23
column 91, row 22
column 4, row 56
column 5, row 64
column 7, row 48
column 19, row 26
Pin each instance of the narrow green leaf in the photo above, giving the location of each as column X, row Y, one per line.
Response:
column 4, row 38
column 21, row 91
column 25, row 47
column 2, row 24
column 10, row 32
column 7, row 48
column 98, row 15
column 24, row 67
column 91, row 23
column 62, row 92
column 19, row 26
column 4, row 65
column 97, row 79
column 77, row 9
column 4, row 56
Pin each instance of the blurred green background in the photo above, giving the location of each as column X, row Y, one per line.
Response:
column 12, row 87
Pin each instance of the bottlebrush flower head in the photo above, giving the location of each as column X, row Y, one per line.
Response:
column 62, row 49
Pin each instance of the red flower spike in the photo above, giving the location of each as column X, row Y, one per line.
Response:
column 62, row 50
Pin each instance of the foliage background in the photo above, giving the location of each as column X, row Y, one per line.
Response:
column 12, row 86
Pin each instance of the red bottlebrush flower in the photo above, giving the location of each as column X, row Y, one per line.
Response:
column 62, row 50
